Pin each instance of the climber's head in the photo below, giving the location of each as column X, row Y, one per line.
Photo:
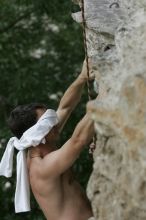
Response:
column 25, row 116
column 53, row 134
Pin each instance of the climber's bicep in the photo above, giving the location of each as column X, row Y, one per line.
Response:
column 57, row 162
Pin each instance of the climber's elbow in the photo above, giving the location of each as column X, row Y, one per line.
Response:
column 79, row 142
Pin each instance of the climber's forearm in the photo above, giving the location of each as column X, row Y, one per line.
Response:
column 72, row 95
column 84, row 131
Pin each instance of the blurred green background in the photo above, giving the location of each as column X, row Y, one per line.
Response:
column 41, row 53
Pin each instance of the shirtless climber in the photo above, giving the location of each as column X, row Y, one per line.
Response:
column 58, row 194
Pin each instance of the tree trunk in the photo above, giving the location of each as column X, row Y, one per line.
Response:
column 116, row 35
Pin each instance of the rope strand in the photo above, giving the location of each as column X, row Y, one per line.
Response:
column 87, row 60
column 86, row 47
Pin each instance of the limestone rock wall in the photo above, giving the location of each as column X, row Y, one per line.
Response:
column 116, row 33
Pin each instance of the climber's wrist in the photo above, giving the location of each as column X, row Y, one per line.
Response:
column 82, row 79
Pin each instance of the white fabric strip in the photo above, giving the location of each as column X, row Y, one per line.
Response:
column 32, row 137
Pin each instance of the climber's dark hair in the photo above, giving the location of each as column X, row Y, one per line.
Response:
column 23, row 117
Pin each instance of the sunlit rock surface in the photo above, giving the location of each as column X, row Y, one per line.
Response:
column 116, row 33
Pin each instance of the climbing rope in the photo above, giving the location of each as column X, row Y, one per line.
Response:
column 86, row 48
column 89, row 85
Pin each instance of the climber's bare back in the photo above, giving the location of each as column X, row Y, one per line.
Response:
column 60, row 198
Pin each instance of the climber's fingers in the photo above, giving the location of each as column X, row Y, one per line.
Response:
column 91, row 75
column 92, row 148
column 91, row 71
column 84, row 72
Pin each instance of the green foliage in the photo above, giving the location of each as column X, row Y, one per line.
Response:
column 41, row 52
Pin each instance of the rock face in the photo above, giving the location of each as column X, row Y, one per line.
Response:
column 116, row 33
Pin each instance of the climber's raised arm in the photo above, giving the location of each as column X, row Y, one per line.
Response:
column 69, row 152
column 72, row 97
